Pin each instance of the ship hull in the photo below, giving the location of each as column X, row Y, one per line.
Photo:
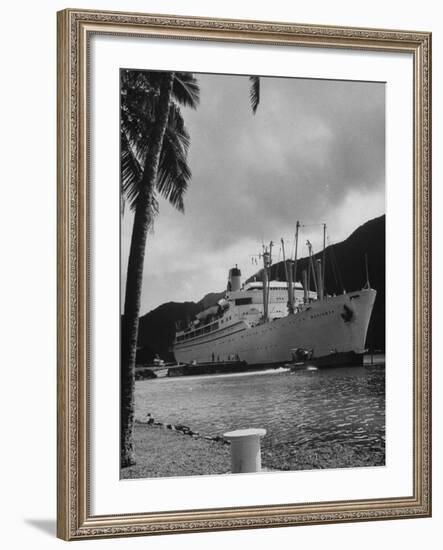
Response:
column 332, row 331
column 346, row 359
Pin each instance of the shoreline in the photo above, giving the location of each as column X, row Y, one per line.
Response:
column 146, row 373
column 165, row 450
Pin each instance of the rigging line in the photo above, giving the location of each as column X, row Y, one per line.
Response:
column 326, row 259
column 334, row 270
column 338, row 269
column 278, row 267
column 295, row 241
column 269, row 273
column 339, row 274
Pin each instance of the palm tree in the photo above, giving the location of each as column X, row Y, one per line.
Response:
column 154, row 146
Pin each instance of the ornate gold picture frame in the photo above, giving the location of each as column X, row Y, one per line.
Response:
column 76, row 519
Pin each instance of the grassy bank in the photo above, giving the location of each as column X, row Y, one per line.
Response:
column 162, row 452
column 325, row 455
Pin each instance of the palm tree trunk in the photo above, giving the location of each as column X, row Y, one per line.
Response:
column 130, row 321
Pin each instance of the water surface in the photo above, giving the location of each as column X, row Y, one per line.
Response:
column 311, row 410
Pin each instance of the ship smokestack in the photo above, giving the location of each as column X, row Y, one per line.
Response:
column 319, row 280
column 305, row 286
column 234, row 279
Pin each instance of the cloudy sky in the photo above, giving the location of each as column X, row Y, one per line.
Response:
column 314, row 152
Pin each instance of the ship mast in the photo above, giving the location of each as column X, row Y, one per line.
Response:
column 267, row 260
column 319, row 280
column 304, row 275
column 288, row 274
column 324, row 261
column 297, row 227
column 368, row 284
column 311, row 266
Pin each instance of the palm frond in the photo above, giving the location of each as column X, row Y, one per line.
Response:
column 254, row 92
column 130, row 172
column 186, row 90
column 131, row 177
column 173, row 173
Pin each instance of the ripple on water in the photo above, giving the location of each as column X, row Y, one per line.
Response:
column 312, row 409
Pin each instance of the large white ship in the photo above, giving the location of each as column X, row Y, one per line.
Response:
column 274, row 322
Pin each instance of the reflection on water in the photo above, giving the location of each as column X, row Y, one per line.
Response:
column 314, row 409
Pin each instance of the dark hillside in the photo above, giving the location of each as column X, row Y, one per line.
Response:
column 157, row 328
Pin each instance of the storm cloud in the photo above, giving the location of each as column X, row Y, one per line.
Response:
column 314, row 151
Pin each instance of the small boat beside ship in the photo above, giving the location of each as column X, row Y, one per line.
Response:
column 271, row 323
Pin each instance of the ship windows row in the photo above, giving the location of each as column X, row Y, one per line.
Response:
column 198, row 332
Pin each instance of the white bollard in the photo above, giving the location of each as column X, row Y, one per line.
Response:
column 245, row 450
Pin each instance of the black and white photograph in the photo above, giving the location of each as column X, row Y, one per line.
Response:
column 217, row 275
column 252, row 256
